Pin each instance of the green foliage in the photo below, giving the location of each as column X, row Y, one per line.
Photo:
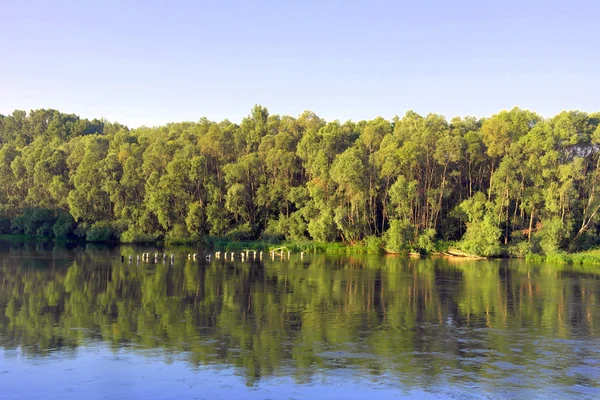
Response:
column 64, row 226
column 240, row 233
column 425, row 241
column 136, row 235
column 275, row 230
column 374, row 244
column 322, row 229
column 399, row 236
column 551, row 236
column 101, row 231
column 178, row 234
column 491, row 184
column 34, row 221
column 520, row 248
column 482, row 238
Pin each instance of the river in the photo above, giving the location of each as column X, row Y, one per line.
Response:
column 78, row 323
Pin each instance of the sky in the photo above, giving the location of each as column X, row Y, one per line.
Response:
column 149, row 62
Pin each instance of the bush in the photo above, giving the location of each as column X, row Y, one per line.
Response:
column 81, row 230
column 34, row 221
column 588, row 240
column 398, row 237
column 135, row 235
column 482, row 238
column 64, row 226
column 322, row 229
column 425, row 241
column 520, row 248
column 296, row 227
column 551, row 236
column 374, row 244
column 275, row 230
column 178, row 234
column 101, row 231
column 241, row 232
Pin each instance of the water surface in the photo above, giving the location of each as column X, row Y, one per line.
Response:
column 79, row 323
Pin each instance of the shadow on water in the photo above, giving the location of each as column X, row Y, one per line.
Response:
column 422, row 323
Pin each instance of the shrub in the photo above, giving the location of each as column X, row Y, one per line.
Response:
column 34, row 221
column 135, row 235
column 64, row 226
column 551, row 236
column 275, row 230
column 425, row 241
column 482, row 238
column 374, row 244
column 520, row 248
column 322, row 229
column 398, row 237
column 241, row 232
column 101, row 231
column 178, row 234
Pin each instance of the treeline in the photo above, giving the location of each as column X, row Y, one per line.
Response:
column 513, row 183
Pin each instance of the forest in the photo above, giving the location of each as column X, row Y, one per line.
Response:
column 511, row 184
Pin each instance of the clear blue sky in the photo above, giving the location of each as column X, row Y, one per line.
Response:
column 150, row 62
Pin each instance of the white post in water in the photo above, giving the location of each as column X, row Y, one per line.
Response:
column 232, row 253
column 260, row 255
column 301, row 255
column 289, row 252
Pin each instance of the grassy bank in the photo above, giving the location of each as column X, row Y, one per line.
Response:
column 367, row 246
column 589, row 257
column 297, row 246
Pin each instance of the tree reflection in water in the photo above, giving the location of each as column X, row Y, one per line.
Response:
column 421, row 321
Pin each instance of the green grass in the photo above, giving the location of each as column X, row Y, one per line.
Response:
column 589, row 257
column 307, row 246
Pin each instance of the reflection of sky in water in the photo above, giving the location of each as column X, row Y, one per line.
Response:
column 322, row 327
column 98, row 373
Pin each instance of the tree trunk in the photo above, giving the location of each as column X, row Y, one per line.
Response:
column 530, row 224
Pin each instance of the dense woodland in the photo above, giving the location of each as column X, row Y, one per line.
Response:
column 513, row 183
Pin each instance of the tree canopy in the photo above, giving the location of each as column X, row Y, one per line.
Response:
column 511, row 183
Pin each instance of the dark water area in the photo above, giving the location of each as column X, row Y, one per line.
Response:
column 77, row 323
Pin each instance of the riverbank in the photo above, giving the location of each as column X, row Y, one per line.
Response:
column 442, row 249
column 367, row 246
column 590, row 257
